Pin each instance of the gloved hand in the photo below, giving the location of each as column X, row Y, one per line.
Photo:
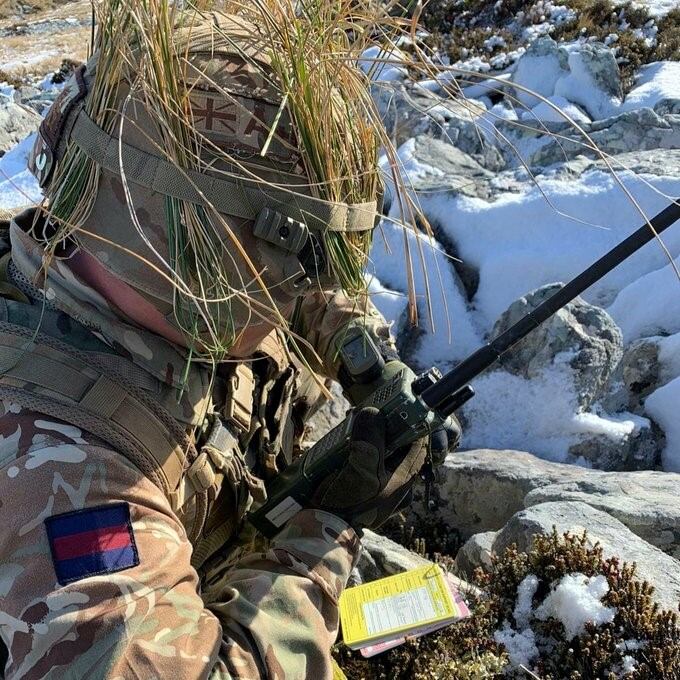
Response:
column 444, row 440
column 369, row 489
column 441, row 442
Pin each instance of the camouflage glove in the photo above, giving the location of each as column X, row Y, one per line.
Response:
column 369, row 488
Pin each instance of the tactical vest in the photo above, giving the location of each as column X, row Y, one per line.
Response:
column 53, row 365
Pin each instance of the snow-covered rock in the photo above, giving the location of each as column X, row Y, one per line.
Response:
column 580, row 335
column 476, row 552
column 636, row 447
column 583, row 74
column 538, row 70
column 16, row 122
column 636, row 130
column 480, row 490
column 653, row 565
column 593, row 81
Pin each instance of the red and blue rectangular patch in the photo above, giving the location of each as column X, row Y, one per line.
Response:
column 91, row 542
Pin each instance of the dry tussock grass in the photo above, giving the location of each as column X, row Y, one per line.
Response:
column 25, row 55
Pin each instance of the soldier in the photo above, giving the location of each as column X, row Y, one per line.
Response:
column 128, row 461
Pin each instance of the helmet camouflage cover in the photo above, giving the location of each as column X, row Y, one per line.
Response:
column 246, row 185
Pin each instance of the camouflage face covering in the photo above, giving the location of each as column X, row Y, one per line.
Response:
column 251, row 188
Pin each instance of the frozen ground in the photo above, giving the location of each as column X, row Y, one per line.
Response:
column 17, row 186
column 542, row 231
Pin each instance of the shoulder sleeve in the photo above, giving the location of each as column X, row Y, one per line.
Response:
column 96, row 579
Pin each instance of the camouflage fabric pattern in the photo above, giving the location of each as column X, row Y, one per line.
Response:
column 266, row 611
column 273, row 614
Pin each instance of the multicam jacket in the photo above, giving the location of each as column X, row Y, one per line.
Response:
column 96, row 576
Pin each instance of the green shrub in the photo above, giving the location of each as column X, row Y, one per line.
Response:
column 468, row 649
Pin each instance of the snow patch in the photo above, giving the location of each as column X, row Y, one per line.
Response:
column 547, row 113
column 520, row 646
column 383, row 66
column 525, row 595
column 453, row 335
column 18, row 187
column 655, row 83
column 629, row 665
column 575, row 601
column 650, row 305
column 538, row 415
column 663, row 406
column 520, row 241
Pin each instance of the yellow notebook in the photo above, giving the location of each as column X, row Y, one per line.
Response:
column 396, row 606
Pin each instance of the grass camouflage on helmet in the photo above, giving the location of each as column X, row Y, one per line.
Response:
column 219, row 163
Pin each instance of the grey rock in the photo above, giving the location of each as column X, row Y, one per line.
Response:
column 632, row 131
column 16, row 123
column 584, row 332
column 408, row 111
column 476, row 553
column 638, row 451
column 664, row 162
column 667, row 106
column 645, row 367
column 458, row 172
column 382, row 557
column 658, row 568
column 329, row 415
column 646, row 502
column 640, row 368
column 637, row 375
column 463, row 132
column 481, row 489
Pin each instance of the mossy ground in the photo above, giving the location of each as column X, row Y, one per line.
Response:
column 467, row 650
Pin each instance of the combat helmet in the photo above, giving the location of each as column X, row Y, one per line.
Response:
column 185, row 167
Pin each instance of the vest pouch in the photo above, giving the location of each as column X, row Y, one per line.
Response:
column 232, row 493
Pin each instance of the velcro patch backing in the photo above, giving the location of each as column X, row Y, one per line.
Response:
column 91, row 542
